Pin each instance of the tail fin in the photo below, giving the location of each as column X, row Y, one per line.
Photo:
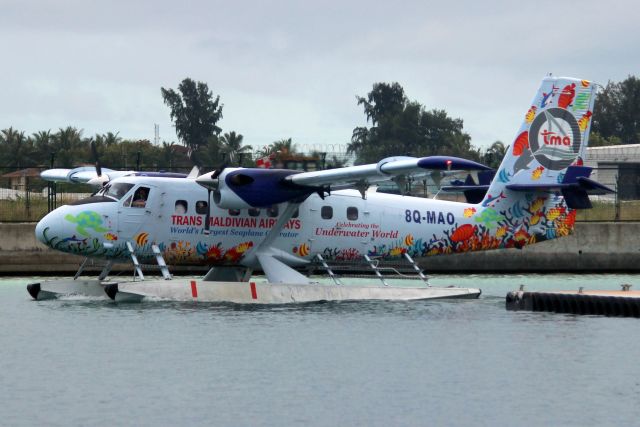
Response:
column 553, row 137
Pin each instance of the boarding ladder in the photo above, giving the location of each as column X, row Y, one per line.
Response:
column 373, row 264
column 161, row 264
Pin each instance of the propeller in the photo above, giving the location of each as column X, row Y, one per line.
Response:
column 207, row 218
column 99, row 179
column 96, row 158
column 214, row 175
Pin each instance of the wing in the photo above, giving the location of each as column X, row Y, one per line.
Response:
column 385, row 170
column 240, row 188
column 82, row 175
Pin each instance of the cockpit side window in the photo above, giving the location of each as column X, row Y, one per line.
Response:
column 117, row 190
column 140, row 197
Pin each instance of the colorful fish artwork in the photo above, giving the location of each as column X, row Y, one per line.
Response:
column 521, row 143
column 548, row 97
column 537, row 173
column 584, row 121
column 234, row 254
column 468, row 212
column 566, row 96
column 141, row 238
column 581, row 101
column 537, row 204
column 504, row 176
column 530, row 114
column 554, row 213
column 111, row 237
column 489, row 217
column 464, row 232
column 408, row 240
column 491, row 200
column 302, row 250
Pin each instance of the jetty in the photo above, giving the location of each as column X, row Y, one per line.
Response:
column 624, row 303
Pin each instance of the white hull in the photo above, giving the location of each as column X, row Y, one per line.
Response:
column 241, row 292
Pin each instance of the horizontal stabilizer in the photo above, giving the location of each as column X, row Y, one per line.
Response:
column 576, row 178
column 474, row 193
column 576, row 187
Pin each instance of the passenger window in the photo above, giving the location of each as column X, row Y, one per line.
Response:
column 201, row 207
column 140, row 197
column 326, row 212
column 234, row 212
column 127, row 203
column 181, row 207
column 254, row 212
column 272, row 211
column 352, row 213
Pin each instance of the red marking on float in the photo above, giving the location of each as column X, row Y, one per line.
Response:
column 254, row 292
column 194, row 289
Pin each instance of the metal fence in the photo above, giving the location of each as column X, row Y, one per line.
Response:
column 24, row 197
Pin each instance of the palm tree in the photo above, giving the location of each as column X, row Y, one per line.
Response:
column 495, row 153
column 231, row 144
column 42, row 143
column 70, row 147
column 284, row 146
column 18, row 148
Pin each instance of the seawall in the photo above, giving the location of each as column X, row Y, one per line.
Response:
column 593, row 247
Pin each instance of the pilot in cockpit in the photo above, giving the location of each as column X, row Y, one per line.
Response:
column 140, row 197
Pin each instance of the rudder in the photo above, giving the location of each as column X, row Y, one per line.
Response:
column 553, row 136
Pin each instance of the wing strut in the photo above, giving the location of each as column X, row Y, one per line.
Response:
column 275, row 262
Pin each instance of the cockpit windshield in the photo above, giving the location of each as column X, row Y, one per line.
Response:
column 116, row 191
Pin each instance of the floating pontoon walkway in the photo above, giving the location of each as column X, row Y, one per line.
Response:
column 625, row 303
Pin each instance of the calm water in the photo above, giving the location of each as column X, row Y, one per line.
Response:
column 87, row 362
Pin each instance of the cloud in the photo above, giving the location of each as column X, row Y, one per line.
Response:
column 292, row 69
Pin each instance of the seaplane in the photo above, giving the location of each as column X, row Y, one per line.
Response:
column 241, row 220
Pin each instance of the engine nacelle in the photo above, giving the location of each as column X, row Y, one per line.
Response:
column 242, row 188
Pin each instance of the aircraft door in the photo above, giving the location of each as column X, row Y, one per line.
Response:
column 137, row 210
column 371, row 218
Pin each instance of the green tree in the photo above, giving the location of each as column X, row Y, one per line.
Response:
column 42, row 145
column 284, row 146
column 231, row 145
column 616, row 115
column 494, row 154
column 195, row 114
column 70, row 148
column 403, row 127
column 16, row 150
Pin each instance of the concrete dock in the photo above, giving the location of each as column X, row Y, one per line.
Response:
column 593, row 247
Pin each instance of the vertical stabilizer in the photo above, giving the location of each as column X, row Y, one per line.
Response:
column 553, row 136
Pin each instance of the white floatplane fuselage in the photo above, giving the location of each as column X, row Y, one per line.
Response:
column 274, row 220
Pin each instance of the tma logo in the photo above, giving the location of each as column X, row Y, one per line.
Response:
column 554, row 138
column 551, row 138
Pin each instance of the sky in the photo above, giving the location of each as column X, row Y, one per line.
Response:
column 293, row 69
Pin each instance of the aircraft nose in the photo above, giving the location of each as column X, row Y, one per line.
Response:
column 44, row 226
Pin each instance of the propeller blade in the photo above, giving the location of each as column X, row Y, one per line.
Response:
column 208, row 216
column 216, row 173
column 195, row 172
column 94, row 153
